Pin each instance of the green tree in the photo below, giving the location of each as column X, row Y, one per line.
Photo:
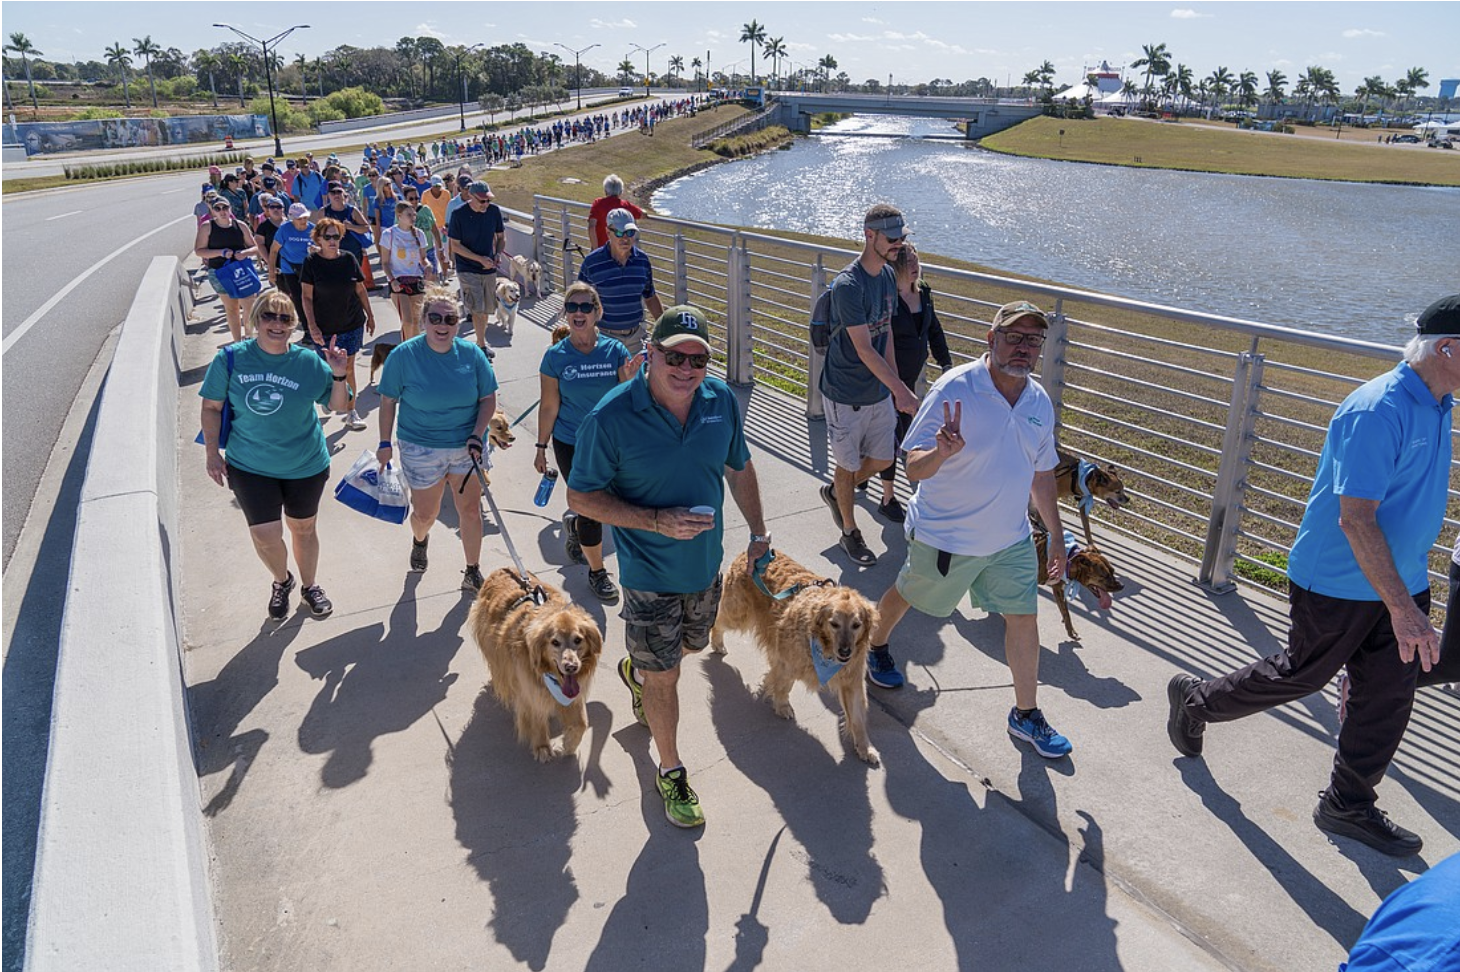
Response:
column 826, row 65
column 626, row 71
column 146, row 48
column 302, row 63
column 1247, row 89
column 1276, row 87
column 696, row 63
column 753, row 34
column 1219, row 83
column 676, row 65
column 121, row 59
column 1178, row 83
column 1415, row 79
column 239, row 64
column 1045, row 73
column 206, row 62
column 775, row 49
column 1157, row 62
column 21, row 45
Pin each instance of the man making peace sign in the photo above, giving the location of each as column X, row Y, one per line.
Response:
column 980, row 445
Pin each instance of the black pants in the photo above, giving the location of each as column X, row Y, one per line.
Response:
column 904, row 422
column 1327, row 634
column 590, row 532
column 289, row 284
column 1448, row 670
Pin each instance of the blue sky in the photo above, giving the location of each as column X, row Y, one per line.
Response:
column 914, row 41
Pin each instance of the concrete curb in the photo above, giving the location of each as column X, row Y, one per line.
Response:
column 121, row 878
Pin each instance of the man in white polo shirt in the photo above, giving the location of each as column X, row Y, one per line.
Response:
column 980, row 446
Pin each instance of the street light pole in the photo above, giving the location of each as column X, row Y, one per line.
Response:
column 577, row 70
column 647, row 51
column 264, row 46
column 461, row 56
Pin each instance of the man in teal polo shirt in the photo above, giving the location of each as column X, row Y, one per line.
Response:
column 652, row 462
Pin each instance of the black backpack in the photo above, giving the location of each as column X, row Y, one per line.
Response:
column 821, row 327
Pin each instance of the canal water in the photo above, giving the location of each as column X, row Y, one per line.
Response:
column 1345, row 258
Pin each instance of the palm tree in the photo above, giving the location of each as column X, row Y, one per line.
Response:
column 1247, row 89
column 1157, row 62
column 1219, row 82
column 121, row 59
column 626, row 71
column 775, row 49
column 21, row 45
column 1372, row 87
column 207, row 61
column 1275, row 83
column 1179, row 82
column 753, row 34
column 302, row 62
column 238, row 63
column 696, row 63
column 146, row 48
column 827, row 64
column 676, row 65
column 1129, row 89
column 1414, row 79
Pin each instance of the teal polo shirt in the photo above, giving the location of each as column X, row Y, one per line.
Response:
column 634, row 448
column 1389, row 441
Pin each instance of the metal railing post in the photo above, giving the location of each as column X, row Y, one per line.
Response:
column 537, row 228
column 568, row 273
column 815, row 360
column 1220, row 549
column 681, row 270
column 739, row 364
column 1057, row 341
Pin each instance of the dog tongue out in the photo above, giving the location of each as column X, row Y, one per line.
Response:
column 569, row 685
column 1101, row 596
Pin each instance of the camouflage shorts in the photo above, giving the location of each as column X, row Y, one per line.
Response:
column 659, row 628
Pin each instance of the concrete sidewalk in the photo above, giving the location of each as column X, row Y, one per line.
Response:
column 370, row 809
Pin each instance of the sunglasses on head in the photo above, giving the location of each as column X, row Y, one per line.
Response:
column 674, row 359
column 449, row 319
column 626, row 234
column 276, row 318
column 574, row 307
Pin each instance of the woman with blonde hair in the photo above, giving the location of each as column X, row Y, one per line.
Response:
column 403, row 257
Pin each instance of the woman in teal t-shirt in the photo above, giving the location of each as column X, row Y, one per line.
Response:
column 576, row 373
column 445, row 392
column 276, row 461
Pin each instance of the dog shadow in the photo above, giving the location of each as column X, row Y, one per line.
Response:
column 664, row 907
column 376, row 680
column 822, row 799
column 219, row 707
column 516, row 819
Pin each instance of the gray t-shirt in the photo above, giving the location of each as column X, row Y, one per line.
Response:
column 857, row 297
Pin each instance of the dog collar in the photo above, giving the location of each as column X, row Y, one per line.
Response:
column 555, row 689
column 1082, row 486
column 1072, row 546
column 825, row 667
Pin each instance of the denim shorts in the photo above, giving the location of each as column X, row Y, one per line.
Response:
column 347, row 341
column 660, row 628
column 424, row 467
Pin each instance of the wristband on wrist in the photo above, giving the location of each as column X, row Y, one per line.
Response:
column 542, row 445
column 473, row 438
column 384, row 444
column 339, row 377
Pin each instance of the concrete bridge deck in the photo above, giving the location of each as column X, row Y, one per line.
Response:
column 368, row 807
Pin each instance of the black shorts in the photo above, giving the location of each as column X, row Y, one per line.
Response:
column 262, row 498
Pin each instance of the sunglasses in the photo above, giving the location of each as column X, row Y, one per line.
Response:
column 274, row 206
column 223, row 208
column 626, row 234
column 1014, row 339
column 449, row 319
column 699, row 362
column 272, row 317
column 337, row 192
column 330, row 237
column 573, row 307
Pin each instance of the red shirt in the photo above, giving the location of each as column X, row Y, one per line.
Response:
column 598, row 216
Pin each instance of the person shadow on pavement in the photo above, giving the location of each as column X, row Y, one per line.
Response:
column 822, row 796
column 376, row 680
column 516, row 819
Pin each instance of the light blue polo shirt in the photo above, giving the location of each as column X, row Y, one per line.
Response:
column 635, row 449
column 439, row 392
column 1389, row 441
column 583, row 380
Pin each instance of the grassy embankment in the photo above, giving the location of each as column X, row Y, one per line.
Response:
column 1140, row 143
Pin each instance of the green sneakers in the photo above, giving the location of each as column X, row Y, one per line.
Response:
column 626, row 673
column 681, row 805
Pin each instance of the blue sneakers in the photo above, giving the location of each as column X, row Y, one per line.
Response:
column 882, row 670
column 1034, row 730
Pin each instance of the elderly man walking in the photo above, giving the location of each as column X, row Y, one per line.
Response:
column 1358, row 583
column 621, row 274
column 652, row 461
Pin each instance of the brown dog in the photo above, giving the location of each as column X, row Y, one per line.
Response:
column 499, row 435
column 526, row 644
column 559, row 332
column 378, row 353
column 1085, row 566
column 835, row 622
column 1104, row 485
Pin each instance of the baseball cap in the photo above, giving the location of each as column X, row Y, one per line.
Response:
column 292, row 164
column 297, row 210
column 1016, row 311
column 482, row 189
column 621, row 221
column 680, row 325
column 270, row 182
column 437, row 181
column 332, row 186
column 209, row 187
column 1442, row 318
column 891, row 227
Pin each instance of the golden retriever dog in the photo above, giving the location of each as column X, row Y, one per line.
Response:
column 532, row 649
column 528, row 273
column 1085, row 566
column 378, row 353
column 835, row 622
column 499, row 436
column 509, row 296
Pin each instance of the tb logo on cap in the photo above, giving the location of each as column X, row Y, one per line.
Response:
column 689, row 322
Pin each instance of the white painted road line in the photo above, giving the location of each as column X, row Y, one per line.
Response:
column 171, row 191
column 45, row 308
column 73, row 212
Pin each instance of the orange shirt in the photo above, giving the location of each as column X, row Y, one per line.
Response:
column 437, row 204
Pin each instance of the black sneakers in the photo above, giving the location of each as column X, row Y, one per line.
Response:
column 418, row 554
column 828, row 496
column 1368, row 825
column 603, row 586
column 572, row 543
column 315, row 597
column 892, row 511
column 857, row 548
column 1185, row 732
column 471, row 579
column 279, row 599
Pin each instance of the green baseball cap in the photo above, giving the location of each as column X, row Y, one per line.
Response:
column 682, row 324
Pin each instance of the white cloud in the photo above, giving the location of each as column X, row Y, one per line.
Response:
column 873, row 20
column 851, row 38
column 626, row 23
column 1353, row 32
column 1187, row 14
column 1330, row 56
column 429, row 30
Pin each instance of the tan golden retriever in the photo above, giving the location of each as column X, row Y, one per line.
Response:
column 499, row 436
column 526, row 643
column 821, row 617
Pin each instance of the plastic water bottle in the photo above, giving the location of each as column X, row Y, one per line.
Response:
column 545, row 488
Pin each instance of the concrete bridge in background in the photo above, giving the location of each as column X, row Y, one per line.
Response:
column 985, row 116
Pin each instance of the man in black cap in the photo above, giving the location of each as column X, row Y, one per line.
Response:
column 1358, row 583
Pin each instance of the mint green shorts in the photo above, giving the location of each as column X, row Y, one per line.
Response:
column 1001, row 583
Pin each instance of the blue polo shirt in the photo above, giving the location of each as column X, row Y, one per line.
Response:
column 583, row 380
column 622, row 289
column 1417, row 928
column 1389, row 441
column 636, row 449
column 309, row 189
